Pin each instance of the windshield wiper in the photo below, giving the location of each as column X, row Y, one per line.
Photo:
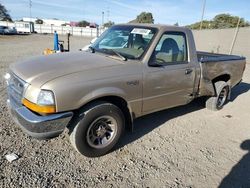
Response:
column 116, row 53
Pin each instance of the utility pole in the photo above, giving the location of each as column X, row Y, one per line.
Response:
column 30, row 5
column 108, row 14
column 102, row 18
column 202, row 15
column 235, row 36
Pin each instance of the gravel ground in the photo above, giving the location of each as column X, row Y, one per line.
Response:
column 187, row 146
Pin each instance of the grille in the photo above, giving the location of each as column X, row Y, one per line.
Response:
column 15, row 89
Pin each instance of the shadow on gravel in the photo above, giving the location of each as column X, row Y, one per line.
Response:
column 239, row 89
column 148, row 123
column 239, row 177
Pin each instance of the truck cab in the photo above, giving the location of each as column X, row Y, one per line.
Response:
column 171, row 70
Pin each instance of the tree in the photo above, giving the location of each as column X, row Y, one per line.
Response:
column 205, row 25
column 144, row 17
column 176, row 24
column 228, row 21
column 39, row 21
column 109, row 24
column 83, row 23
column 4, row 15
column 220, row 21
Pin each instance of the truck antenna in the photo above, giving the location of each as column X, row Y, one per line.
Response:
column 202, row 15
column 235, row 36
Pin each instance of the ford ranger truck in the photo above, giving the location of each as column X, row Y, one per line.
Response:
column 131, row 70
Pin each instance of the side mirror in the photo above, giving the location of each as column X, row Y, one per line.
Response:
column 154, row 64
column 152, row 61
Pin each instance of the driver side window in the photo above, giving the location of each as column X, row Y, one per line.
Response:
column 171, row 49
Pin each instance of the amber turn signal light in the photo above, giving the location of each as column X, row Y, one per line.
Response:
column 37, row 108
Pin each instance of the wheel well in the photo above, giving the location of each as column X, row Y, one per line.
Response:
column 224, row 77
column 122, row 104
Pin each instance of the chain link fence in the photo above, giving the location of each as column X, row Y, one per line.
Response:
column 26, row 27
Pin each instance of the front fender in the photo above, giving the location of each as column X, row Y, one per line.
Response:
column 102, row 92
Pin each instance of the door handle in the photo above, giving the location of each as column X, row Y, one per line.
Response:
column 188, row 71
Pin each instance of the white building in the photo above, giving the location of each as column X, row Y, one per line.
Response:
column 29, row 19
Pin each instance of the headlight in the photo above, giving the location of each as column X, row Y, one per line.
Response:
column 46, row 98
column 45, row 103
column 7, row 77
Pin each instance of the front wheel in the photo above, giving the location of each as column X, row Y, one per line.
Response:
column 97, row 131
column 222, row 92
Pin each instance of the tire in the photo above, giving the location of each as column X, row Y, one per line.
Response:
column 97, row 131
column 217, row 102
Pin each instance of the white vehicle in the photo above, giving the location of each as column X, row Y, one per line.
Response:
column 24, row 27
column 85, row 48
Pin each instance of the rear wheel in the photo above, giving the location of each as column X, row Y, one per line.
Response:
column 222, row 92
column 98, row 130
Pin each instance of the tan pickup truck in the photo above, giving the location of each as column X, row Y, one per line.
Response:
column 130, row 70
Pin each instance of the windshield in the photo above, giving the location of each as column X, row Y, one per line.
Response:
column 129, row 41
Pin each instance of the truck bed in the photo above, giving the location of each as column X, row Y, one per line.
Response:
column 204, row 57
column 230, row 67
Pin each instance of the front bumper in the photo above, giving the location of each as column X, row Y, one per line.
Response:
column 41, row 127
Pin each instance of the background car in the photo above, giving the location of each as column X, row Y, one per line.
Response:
column 5, row 30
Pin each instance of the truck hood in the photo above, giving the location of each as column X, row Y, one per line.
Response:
column 40, row 70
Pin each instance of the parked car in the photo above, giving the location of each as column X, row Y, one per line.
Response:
column 96, row 94
column 5, row 30
column 85, row 48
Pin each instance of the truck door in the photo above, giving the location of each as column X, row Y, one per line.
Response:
column 171, row 83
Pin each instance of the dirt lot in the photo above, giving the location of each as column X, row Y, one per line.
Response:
column 187, row 146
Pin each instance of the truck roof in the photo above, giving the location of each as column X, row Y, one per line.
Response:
column 158, row 26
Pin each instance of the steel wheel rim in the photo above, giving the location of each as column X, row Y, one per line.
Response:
column 102, row 132
column 222, row 97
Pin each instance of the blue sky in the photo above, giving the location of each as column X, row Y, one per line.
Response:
column 120, row 11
